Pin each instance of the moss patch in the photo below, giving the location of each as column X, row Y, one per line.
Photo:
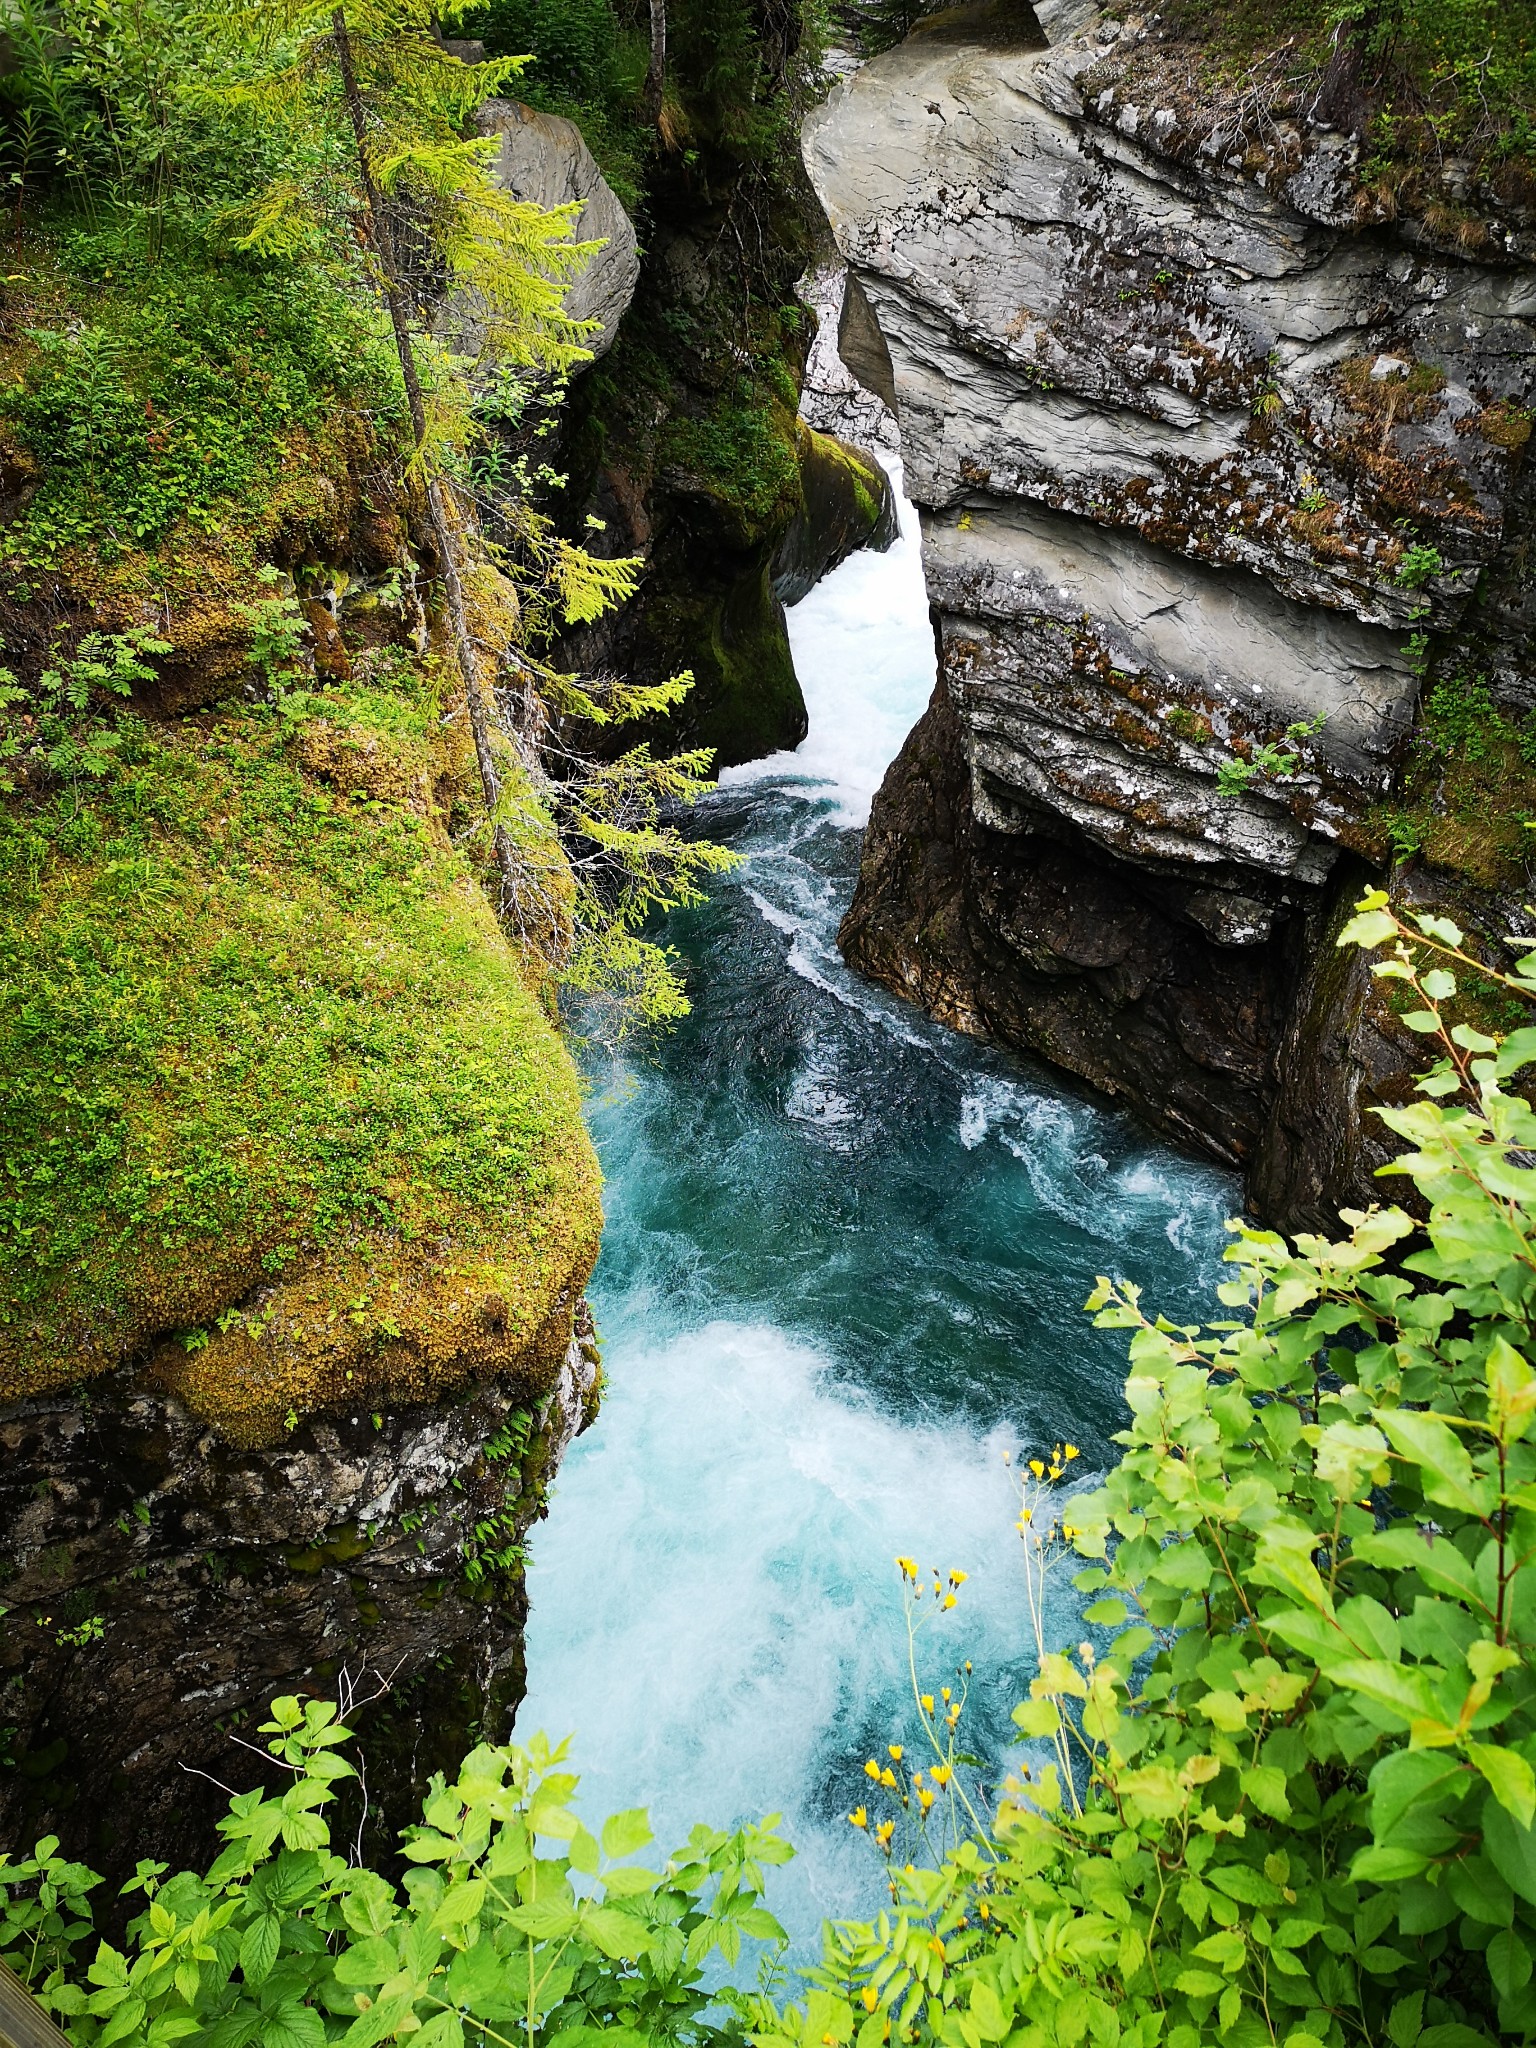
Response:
column 275, row 1093
column 1468, row 787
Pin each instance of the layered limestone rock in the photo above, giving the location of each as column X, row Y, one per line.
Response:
column 1198, row 453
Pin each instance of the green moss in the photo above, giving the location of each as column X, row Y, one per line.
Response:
column 743, row 454
column 1468, row 787
column 165, row 395
column 271, row 1078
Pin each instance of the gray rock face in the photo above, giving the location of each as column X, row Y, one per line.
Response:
column 1193, row 372
column 544, row 160
column 1173, row 430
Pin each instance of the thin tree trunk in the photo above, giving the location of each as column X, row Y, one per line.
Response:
column 656, row 72
column 443, row 533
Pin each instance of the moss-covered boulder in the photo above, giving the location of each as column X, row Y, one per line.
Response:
column 281, row 1109
column 846, row 503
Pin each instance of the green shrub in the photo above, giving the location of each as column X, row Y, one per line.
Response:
column 284, row 1943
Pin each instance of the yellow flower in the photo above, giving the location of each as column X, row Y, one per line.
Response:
column 1037, row 1468
column 925, row 1799
column 888, row 1779
column 1025, row 1515
column 941, row 1774
column 1068, row 1530
column 871, row 1769
column 985, row 1910
column 884, row 1832
column 1056, row 1471
column 895, row 1749
column 949, row 1599
column 935, row 1944
column 958, row 1578
column 858, row 1818
column 944, row 1695
column 870, row 1996
column 1072, row 1451
column 927, row 1702
column 908, row 1567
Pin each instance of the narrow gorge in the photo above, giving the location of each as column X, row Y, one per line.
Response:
column 718, row 720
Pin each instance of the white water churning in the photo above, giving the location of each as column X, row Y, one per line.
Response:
column 843, row 1272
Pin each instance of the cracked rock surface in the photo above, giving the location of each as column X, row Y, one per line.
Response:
column 179, row 1582
column 1175, row 428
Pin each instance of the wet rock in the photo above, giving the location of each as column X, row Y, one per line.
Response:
column 163, row 1584
column 847, row 504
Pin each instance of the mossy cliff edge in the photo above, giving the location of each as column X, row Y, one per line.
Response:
column 280, row 1109
column 296, row 1200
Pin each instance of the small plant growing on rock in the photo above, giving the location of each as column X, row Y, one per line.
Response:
column 61, row 726
column 1418, row 565
column 1185, row 724
column 1272, row 760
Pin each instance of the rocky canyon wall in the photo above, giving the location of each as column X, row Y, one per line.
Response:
column 1207, row 453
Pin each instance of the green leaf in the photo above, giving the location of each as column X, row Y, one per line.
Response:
column 478, row 1980
column 624, row 1833
column 1383, row 1864
column 1435, row 1558
column 1037, row 1717
column 1185, row 1565
column 1406, row 2018
column 1407, row 1778
column 1402, row 1689
column 616, row 1934
column 1509, row 1962
column 1445, row 1468
column 1509, row 1775
column 991, row 2018
column 258, row 1947
column 1265, row 1785
column 292, row 2026
column 1107, row 1613
column 1241, row 1882
column 1513, row 1849
column 1199, row 1983
column 1480, row 1889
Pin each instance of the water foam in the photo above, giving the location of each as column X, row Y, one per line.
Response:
column 862, row 644
column 734, row 1637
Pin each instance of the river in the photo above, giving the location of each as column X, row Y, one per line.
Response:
column 843, row 1273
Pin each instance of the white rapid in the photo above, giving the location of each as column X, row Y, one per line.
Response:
column 843, row 1272
column 863, row 650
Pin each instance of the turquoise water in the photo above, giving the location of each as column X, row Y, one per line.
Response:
column 843, row 1273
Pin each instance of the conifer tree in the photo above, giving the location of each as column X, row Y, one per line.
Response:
column 418, row 180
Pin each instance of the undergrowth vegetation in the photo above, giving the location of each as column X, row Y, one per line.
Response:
column 1440, row 93
column 147, row 399
column 1467, row 793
